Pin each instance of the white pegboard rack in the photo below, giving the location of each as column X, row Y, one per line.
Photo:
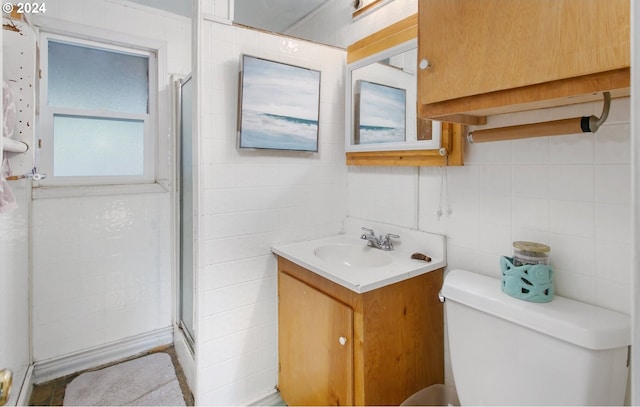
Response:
column 19, row 70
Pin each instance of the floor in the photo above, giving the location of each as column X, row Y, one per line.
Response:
column 271, row 400
column 51, row 393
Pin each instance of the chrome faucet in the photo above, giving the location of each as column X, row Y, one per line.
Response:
column 382, row 243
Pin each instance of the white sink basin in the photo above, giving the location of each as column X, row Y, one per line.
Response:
column 353, row 255
column 346, row 259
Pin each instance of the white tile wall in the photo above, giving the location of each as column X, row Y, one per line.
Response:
column 571, row 192
column 385, row 194
column 14, row 286
column 102, row 265
column 571, row 195
column 634, row 154
column 18, row 71
column 251, row 200
column 100, row 271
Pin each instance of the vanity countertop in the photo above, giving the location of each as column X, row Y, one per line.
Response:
column 360, row 268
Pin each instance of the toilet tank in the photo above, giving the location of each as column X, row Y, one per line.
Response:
column 506, row 351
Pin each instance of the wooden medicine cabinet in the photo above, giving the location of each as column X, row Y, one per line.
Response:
column 482, row 58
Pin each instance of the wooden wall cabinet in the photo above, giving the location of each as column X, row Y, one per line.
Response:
column 498, row 56
column 338, row 347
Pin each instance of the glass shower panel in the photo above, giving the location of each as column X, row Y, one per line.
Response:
column 186, row 210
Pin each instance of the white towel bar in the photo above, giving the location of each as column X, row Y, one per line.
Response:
column 576, row 125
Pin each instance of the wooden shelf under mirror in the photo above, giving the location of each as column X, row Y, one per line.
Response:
column 452, row 142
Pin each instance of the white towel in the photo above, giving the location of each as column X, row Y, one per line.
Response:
column 8, row 110
column 7, row 199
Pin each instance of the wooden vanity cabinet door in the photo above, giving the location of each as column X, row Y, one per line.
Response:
column 315, row 346
column 478, row 47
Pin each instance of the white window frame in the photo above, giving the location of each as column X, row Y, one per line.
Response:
column 44, row 152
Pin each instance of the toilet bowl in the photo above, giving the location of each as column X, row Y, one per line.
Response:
column 506, row 351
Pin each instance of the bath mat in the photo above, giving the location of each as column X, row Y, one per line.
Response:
column 147, row 381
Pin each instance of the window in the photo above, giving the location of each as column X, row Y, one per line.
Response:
column 96, row 115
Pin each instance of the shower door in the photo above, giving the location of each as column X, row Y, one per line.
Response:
column 185, row 187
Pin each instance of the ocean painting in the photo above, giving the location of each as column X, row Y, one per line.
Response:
column 380, row 114
column 279, row 106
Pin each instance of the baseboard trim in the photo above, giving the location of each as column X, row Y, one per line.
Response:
column 94, row 357
column 271, row 399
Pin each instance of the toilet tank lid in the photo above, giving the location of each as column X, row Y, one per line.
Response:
column 582, row 324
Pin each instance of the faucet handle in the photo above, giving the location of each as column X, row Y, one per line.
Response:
column 387, row 244
column 369, row 230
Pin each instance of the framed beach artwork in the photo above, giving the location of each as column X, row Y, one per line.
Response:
column 380, row 113
column 279, row 106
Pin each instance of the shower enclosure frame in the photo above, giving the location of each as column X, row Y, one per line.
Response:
column 185, row 307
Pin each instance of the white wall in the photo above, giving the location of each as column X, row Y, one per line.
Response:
column 635, row 199
column 251, row 200
column 571, row 192
column 14, row 288
column 332, row 23
column 19, row 72
column 102, row 262
column 216, row 10
column 101, row 271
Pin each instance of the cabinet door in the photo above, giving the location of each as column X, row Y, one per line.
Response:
column 477, row 47
column 315, row 346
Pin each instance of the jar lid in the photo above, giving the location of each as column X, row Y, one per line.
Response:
column 531, row 246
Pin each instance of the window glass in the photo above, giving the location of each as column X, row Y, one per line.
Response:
column 96, row 113
column 92, row 78
column 92, row 146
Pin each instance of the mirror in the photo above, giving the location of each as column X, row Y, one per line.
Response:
column 381, row 103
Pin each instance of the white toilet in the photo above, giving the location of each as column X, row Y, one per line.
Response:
column 506, row 351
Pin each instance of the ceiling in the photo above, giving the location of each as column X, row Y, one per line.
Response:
column 270, row 15
column 273, row 15
column 181, row 7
